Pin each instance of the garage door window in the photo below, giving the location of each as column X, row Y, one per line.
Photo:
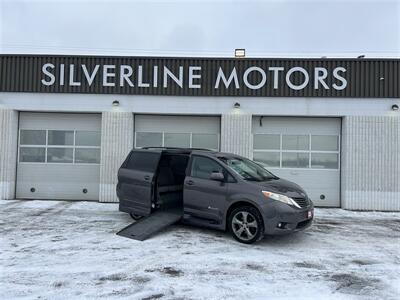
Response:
column 184, row 139
column 87, row 156
column 177, row 140
column 295, row 142
column 324, row 143
column 267, row 141
column 33, row 137
column 32, row 154
column 149, row 139
column 59, row 146
column 60, row 137
column 270, row 159
column 295, row 160
column 297, row 151
column 88, row 138
column 205, row 140
column 60, row 155
column 324, row 160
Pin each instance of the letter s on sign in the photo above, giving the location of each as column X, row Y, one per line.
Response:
column 47, row 73
column 340, row 78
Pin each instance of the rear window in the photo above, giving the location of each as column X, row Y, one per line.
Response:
column 143, row 161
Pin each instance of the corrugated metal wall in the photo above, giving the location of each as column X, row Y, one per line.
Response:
column 371, row 163
column 236, row 136
column 116, row 142
column 366, row 77
column 8, row 152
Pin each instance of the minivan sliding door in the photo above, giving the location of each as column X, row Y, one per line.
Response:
column 136, row 179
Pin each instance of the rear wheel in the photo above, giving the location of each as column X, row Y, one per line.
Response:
column 246, row 225
column 135, row 217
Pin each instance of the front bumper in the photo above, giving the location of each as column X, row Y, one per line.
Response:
column 282, row 218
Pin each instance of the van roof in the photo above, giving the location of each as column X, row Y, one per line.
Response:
column 186, row 150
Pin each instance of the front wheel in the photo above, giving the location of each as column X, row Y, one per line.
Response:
column 246, row 225
column 135, row 217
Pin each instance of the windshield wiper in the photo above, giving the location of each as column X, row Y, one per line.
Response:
column 252, row 179
column 270, row 178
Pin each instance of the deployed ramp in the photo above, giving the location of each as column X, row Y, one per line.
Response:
column 157, row 221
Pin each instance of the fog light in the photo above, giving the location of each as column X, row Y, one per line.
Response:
column 281, row 225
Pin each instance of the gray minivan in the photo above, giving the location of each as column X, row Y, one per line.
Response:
column 218, row 190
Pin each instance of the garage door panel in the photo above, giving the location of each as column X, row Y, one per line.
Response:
column 316, row 183
column 303, row 150
column 59, row 156
column 59, row 121
column 58, row 181
column 296, row 125
column 176, row 124
column 177, row 131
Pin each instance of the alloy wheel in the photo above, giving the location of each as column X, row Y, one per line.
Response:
column 244, row 225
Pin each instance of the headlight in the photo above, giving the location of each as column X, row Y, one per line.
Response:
column 281, row 198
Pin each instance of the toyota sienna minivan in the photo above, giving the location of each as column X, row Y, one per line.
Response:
column 213, row 189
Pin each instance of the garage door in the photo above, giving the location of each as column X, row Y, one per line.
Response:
column 58, row 156
column 303, row 150
column 177, row 131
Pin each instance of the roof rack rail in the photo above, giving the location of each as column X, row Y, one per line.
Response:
column 177, row 148
column 202, row 149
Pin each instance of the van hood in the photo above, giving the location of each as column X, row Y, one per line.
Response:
column 282, row 186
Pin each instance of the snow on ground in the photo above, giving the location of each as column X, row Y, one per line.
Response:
column 69, row 250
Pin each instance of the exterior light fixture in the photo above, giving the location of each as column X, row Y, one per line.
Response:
column 115, row 103
column 395, row 107
column 236, row 105
column 240, row 53
column 382, row 78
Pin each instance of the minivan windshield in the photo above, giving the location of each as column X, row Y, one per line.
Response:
column 247, row 169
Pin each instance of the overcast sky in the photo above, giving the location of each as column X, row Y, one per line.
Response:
column 202, row 28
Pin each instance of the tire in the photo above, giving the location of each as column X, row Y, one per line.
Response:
column 239, row 221
column 135, row 217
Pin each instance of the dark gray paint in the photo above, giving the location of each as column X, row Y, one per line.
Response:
column 22, row 73
column 208, row 202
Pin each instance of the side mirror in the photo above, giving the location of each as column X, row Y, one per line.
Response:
column 218, row 176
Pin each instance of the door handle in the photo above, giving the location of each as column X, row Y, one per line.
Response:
column 189, row 182
column 147, row 177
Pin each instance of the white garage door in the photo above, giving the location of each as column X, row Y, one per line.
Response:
column 302, row 150
column 177, row 131
column 59, row 156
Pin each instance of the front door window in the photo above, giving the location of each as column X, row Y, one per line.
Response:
column 202, row 167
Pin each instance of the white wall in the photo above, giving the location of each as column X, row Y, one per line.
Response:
column 377, row 125
column 198, row 105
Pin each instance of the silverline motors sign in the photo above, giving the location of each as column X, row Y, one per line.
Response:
column 200, row 76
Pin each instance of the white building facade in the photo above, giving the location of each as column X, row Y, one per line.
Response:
column 332, row 126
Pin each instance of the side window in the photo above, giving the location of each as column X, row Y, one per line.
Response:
column 202, row 167
column 143, row 161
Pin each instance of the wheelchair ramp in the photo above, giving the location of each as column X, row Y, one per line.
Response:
column 148, row 226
